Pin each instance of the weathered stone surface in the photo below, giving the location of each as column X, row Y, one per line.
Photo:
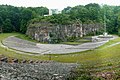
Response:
column 42, row 71
column 47, row 32
column 37, row 48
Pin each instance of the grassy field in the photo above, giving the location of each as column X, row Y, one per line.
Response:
column 101, row 56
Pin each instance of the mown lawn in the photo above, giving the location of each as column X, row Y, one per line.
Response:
column 99, row 56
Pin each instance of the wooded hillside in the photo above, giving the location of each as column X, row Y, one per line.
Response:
column 18, row 18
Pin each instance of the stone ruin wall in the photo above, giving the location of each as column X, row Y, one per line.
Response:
column 46, row 32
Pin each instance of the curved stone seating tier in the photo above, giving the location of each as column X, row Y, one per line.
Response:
column 42, row 71
column 27, row 46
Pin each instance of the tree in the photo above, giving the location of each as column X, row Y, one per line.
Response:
column 40, row 11
column 118, row 21
column 93, row 11
column 66, row 10
column 60, row 19
column 23, row 26
column 18, row 17
column 26, row 15
column 7, row 26
column 1, row 23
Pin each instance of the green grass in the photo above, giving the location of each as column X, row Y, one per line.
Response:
column 99, row 57
column 71, row 43
column 110, row 43
column 25, row 37
column 81, row 41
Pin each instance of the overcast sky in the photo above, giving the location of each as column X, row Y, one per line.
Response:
column 56, row 4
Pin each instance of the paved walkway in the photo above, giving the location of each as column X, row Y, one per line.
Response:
column 27, row 46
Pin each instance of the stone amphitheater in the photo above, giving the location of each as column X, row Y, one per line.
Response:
column 32, row 47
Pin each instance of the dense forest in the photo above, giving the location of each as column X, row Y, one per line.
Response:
column 16, row 19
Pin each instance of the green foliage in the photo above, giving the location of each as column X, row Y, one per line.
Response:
column 23, row 26
column 84, row 77
column 20, row 16
column 26, row 15
column 66, row 10
column 118, row 21
column 60, row 19
column 1, row 21
column 109, row 64
column 90, row 13
column 40, row 11
column 7, row 26
column 117, row 75
column 83, row 73
column 95, row 13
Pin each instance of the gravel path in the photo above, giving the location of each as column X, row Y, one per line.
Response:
column 27, row 46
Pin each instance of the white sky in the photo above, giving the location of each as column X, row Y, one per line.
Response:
column 56, row 4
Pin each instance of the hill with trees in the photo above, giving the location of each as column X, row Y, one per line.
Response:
column 17, row 19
